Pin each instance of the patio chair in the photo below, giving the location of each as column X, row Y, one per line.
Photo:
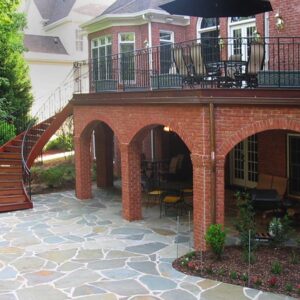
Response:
column 171, row 199
column 198, row 66
column 254, row 65
column 232, row 70
column 174, row 168
column 180, row 63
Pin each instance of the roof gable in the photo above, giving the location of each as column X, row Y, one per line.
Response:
column 133, row 6
column 54, row 10
column 44, row 44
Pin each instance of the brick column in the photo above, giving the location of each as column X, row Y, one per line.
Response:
column 131, row 181
column 201, row 200
column 220, row 190
column 104, row 155
column 83, row 168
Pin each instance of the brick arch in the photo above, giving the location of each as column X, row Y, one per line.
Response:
column 86, row 130
column 142, row 130
column 256, row 127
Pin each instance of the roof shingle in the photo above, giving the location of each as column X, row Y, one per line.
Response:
column 44, row 44
column 133, row 6
column 54, row 10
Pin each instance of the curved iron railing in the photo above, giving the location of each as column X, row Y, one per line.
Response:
column 43, row 118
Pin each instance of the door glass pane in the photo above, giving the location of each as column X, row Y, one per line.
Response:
column 127, row 61
column 95, row 63
column 237, row 41
column 210, row 46
column 239, row 161
column 252, row 159
column 294, row 165
column 165, row 57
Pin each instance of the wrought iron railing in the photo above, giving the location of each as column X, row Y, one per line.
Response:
column 57, row 100
column 253, row 62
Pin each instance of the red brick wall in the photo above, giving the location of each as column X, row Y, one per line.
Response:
column 290, row 11
column 272, row 158
column 234, row 123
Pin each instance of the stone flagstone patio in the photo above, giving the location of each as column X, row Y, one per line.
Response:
column 68, row 249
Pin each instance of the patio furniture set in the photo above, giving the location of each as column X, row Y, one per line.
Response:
column 161, row 188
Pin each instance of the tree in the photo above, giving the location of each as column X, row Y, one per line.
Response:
column 15, row 86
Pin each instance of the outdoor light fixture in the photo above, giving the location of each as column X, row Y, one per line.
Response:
column 167, row 128
column 279, row 21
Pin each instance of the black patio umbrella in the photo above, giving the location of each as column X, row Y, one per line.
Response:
column 217, row 8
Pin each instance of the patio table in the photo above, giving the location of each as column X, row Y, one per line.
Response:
column 265, row 197
column 226, row 79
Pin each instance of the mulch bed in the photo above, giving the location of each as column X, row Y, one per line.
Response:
column 233, row 269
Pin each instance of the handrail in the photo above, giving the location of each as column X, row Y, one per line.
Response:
column 27, row 146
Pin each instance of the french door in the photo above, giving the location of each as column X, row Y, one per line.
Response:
column 241, row 32
column 244, row 163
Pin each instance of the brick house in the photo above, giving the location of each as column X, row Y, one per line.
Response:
column 228, row 133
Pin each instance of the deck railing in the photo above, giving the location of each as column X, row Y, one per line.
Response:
column 253, row 62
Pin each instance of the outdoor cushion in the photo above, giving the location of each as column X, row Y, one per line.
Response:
column 171, row 199
column 264, row 182
column 155, row 192
column 279, row 184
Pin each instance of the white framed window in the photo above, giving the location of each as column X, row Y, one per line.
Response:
column 78, row 40
column 166, row 40
column 127, row 57
column 101, row 48
column 241, row 31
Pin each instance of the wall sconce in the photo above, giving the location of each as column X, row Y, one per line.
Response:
column 167, row 129
column 221, row 42
column 146, row 43
column 279, row 22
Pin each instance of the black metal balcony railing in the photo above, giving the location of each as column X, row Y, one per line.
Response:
column 208, row 62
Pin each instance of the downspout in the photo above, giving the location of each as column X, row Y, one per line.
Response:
column 148, row 18
column 213, row 161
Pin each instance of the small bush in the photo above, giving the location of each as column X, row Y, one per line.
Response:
column 245, row 221
column 222, row 272
column 280, row 230
column 245, row 277
column 63, row 142
column 233, row 275
column 256, row 281
column 272, row 282
column 289, row 287
column 295, row 259
column 215, row 237
column 276, row 268
column 55, row 176
column 184, row 261
column 7, row 132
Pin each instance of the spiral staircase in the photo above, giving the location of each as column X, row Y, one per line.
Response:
column 18, row 154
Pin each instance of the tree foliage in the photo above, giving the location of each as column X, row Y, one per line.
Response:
column 15, row 85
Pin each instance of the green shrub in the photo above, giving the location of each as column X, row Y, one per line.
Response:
column 56, row 176
column 245, row 277
column 215, row 237
column 245, row 220
column 7, row 132
column 276, row 268
column 233, row 275
column 63, row 142
column 289, row 287
column 280, row 230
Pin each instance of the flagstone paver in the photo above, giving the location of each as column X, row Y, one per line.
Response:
column 67, row 249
